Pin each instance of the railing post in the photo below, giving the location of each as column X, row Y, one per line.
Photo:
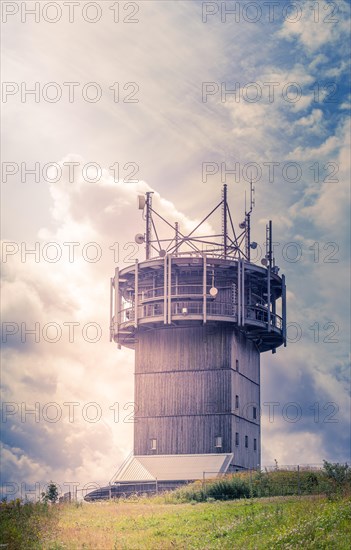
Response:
column 204, row 290
column 111, row 308
column 242, row 293
column 165, row 285
column 136, row 294
column 298, row 480
column 239, row 293
column 117, row 304
column 284, row 309
column 269, row 297
column 169, row 289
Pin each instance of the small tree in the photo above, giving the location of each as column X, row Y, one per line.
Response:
column 51, row 494
column 340, row 473
column 338, row 478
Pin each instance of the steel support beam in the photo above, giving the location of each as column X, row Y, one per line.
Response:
column 136, row 295
column 242, row 292
column 239, row 293
column 117, row 304
column 111, row 308
column 165, row 285
column 204, row 290
column 284, row 309
column 169, row 289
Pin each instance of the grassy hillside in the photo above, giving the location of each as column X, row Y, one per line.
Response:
column 266, row 523
column 280, row 522
column 313, row 511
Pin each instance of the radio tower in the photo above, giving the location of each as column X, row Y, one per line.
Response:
column 198, row 313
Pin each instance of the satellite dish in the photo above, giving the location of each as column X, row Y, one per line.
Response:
column 264, row 261
column 162, row 253
column 139, row 238
column 253, row 245
column 242, row 225
column 141, row 202
column 213, row 291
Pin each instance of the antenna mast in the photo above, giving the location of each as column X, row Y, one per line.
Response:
column 148, row 235
column 269, row 253
column 176, row 237
column 248, row 222
column 224, row 220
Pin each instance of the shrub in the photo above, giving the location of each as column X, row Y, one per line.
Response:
column 22, row 524
column 333, row 479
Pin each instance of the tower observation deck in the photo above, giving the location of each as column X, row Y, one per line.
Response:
column 198, row 313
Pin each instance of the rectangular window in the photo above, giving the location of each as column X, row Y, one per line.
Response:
column 237, row 365
column 254, row 413
column 218, row 442
column 153, row 444
column 255, row 444
column 246, row 441
column 237, row 438
column 236, row 401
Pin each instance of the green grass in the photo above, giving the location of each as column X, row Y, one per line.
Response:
column 274, row 523
column 313, row 511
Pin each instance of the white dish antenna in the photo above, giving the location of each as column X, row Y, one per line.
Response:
column 213, row 292
column 139, row 238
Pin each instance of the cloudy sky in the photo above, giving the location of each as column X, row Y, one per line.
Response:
column 104, row 100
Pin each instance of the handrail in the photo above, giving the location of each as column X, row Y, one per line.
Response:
column 253, row 313
column 157, row 292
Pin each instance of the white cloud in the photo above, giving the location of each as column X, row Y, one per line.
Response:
column 169, row 133
column 318, row 25
column 54, row 295
column 311, row 120
column 333, row 197
column 330, row 145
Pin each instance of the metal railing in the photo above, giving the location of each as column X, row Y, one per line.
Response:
column 260, row 314
column 177, row 290
column 256, row 314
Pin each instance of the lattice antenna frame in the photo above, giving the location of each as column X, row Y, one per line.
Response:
column 225, row 245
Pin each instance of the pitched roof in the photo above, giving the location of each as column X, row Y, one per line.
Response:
column 172, row 467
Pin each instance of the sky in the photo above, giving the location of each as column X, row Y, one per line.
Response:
column 102, row 101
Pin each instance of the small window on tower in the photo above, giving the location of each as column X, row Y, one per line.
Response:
column 237, row 365
column 254, row 413
column 237, row 438
column 255, row 444
column 153, row 444
column 246, row 441
column 218, row 442
column 236, row 401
